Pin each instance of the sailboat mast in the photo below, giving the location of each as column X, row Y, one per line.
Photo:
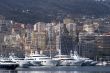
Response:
column 49, row 34
column 77, row 41
column 59, row 38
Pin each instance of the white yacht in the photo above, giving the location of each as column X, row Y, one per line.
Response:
column 43, row 59
column 32, row 60
column 63, row 60
column 86, row 61
column 21, row 61
column 6, row 63
column 66, row 60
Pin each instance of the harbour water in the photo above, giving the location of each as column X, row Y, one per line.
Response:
column 61, row 69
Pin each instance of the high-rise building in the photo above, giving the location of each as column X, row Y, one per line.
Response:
column 64, row 41
column 103, row 45
column 39, row 36
column 87, row 45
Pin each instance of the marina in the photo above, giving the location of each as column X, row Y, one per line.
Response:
column 54, row 45
column 36, row 60
column 64, row 43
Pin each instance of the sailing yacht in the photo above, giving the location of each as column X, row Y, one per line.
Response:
column 65, row 60
column 43, row 59
column 86, row 61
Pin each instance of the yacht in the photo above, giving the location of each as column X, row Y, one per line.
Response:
column 32, row 61
column 63, row 60
column 21, row 61
column 6, row 63
column 43, row 59
column 86, row 61
column 66, row 60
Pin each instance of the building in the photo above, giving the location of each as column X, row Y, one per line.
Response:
column 103, row 45
column 68, row 20
column 39, row 36
column 40, row 27
column 64, row 41
column 39, row 40
column 87, row 45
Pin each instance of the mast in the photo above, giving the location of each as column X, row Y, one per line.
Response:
column 77, row 41
column 49, row 43
column 59, row 51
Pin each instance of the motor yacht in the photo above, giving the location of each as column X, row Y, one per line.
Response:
column 21, row 61
column 6, row 63
column 67, row 60
column 86, row 61
column 43, row 59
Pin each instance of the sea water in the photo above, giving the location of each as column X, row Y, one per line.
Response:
column 60, row 69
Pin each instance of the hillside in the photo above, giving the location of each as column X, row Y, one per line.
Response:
column 30, row 11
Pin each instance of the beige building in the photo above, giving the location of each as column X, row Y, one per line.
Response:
column 39, row 40
column 68, row 20
column 40, row 27
column 13, row 39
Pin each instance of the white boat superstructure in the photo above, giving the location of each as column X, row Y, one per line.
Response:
column 6, row 63
column 21, row 61
column 32, row 61
column 63, row 60
column 86, row 61
column 77, row 57
column 67, row 60
column 43, row 59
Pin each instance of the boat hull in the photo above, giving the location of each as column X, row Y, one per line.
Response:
column 9, row 66
column 49, row 62
column 89, row 63
column 69, row 63
column 23, row 64
column 35, row 63
column 76, row 63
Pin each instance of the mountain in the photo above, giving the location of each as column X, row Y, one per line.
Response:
column 31, row 11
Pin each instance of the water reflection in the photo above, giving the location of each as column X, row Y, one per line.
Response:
column 63, row 69
column 69, row 69
column 51, row 72
column 58, row 72
column 8, row 71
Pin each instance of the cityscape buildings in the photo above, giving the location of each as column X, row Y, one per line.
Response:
column 90, row 37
